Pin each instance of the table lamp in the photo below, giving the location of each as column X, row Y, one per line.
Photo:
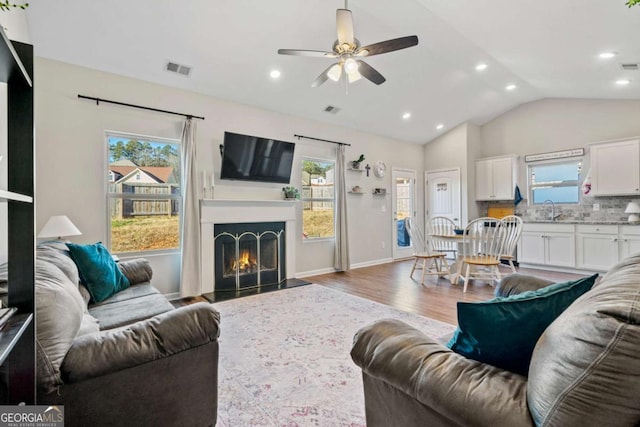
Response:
column 60, row 226
column 633, row 208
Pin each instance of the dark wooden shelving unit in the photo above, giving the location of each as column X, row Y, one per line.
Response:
column 17, row 337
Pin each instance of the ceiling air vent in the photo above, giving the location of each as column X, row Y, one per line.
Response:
column 177, row 68
column 629, row 67
column 331, row 109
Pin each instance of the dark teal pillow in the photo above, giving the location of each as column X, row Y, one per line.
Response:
column 98, row 271
column 503, row 331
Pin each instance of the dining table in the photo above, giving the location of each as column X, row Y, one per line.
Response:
column 457, row 262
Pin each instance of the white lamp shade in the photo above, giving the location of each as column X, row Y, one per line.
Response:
column 59, row 226
column 633, row 207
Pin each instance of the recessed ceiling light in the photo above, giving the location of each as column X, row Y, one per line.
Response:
column 623, row 82
column 607, row 55
column 511, row 87
column 275, row 74
column 481, row 67
column 440, row 126
column 406, row 116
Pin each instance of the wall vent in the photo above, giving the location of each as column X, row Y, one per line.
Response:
column 331, row 109
column 178, row 68
column 629, row 67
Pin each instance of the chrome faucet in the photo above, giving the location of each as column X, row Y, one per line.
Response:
column 553, row 209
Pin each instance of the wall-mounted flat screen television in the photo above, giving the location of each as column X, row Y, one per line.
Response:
column 251, row 158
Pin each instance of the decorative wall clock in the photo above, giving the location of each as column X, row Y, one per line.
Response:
column 379, row 168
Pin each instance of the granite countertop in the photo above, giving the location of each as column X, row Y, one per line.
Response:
column 574, row 221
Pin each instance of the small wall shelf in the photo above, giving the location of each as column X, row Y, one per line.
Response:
column 379, row 191
column 11, row 333
column 356, row 192
column 355, row 170
column 5, row 196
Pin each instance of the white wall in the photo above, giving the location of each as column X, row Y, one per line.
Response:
column 537, row 127
column 71, row 157
column 448, row 151
column 559, row 124
column 474, row 150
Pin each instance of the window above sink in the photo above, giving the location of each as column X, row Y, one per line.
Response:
column 555, row 181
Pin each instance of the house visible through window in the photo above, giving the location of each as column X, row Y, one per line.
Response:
column 318, row 199
column 558, row 182
column 143, row 193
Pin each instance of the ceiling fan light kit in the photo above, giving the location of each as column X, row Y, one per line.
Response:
column 347, row 50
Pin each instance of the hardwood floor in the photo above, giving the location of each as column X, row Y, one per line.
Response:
column 390, row 284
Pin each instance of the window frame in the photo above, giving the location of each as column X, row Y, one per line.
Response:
column 578, row 161
column 110, row 196
column 315, row 199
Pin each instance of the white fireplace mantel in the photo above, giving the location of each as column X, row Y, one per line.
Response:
column 218, row 211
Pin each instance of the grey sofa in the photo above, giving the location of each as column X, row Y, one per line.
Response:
column 131, row 360
column 585, row 369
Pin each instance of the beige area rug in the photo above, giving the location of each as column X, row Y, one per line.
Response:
column 284, row 357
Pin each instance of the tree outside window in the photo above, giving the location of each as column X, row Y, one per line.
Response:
column 318, row 199
column 143, row 193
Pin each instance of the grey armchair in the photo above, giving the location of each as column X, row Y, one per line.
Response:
column 585, row 369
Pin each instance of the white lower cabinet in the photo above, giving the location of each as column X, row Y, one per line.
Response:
column 548, row 244
column 597, row 247
column 629, row 240
column 588, row 247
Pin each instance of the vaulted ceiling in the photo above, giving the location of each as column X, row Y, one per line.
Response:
column 546, row 48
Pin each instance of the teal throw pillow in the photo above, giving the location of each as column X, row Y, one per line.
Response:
column 98, row 271
column 503, row 331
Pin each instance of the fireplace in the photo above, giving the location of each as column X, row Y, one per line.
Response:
column 249, row 255
column 224, row 212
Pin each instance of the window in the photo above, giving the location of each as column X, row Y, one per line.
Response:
column 558, row 182
column 143, row 193
column 317, row 199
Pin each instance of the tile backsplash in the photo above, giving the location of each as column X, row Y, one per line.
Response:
column 611, row 210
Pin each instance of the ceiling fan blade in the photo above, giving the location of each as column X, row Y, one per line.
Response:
column 388, row 46
column 344, row 24
column 300, row 52
column 328, row 73
column 370, row 73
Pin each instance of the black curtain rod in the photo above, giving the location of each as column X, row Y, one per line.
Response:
column 323, row 140
column 99, row 100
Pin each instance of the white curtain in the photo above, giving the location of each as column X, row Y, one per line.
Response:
column 341, row 260
column 190, row 225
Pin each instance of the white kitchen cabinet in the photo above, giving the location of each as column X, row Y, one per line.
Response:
column 496, row 178
column 629, row 240
column 597, row 246
column 531, row 247
column 615, row 168
column 548, row 244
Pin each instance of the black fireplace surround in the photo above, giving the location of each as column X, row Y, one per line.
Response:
column 249, row 255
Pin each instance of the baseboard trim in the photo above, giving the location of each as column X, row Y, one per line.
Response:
column 559, row 269
column 315, row 272
column 371, row 263
column 353, row 267
column 172, row 296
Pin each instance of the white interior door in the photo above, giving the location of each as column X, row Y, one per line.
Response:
column 443, row 194
column 404, row 201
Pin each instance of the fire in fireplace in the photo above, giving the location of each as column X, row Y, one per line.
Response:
column 246, row 264
column 248, row 255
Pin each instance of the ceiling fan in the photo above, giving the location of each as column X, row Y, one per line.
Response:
column 347, row 50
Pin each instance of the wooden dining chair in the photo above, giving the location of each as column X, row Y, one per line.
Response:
column 442, row 226
column 433, row 262
column 512, row 226
column 482, row 244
